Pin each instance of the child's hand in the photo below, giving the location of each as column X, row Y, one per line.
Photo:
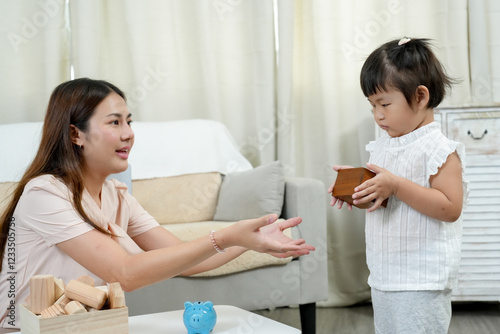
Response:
column 377, row 189
column 335, row 200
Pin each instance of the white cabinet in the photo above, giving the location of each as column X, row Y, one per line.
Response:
column 479, row 130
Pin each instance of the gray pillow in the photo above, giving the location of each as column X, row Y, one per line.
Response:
column 251, row 194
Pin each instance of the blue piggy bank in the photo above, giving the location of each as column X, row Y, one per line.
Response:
column 199, row 317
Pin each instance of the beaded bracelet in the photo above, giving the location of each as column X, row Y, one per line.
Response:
column 214, row 243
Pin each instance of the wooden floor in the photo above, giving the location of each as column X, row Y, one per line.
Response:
column 467, row 318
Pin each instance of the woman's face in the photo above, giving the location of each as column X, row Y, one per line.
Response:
column 109, row 139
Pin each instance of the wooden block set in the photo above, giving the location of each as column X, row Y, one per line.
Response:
column 52, row 305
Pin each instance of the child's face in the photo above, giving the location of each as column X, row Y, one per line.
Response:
column 394, row 115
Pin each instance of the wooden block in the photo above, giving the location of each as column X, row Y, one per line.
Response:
column 63, row 300
column 85, row 294
column 103, row 288
column 74, row 307
column 59, row 287
column 98, row 322
column 53, row 311
column 86, row 279
column 347, row 180
column 41, row 292
column 116, row 296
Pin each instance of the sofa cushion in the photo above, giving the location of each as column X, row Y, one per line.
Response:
column 246, row 261
column 179, row 199
column 250, row 194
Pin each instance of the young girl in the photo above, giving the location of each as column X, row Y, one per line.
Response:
column 412, row 245
column 70, row 221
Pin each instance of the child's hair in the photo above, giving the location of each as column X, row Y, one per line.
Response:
column 404, row 65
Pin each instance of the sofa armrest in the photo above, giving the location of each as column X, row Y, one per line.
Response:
column 306, row 198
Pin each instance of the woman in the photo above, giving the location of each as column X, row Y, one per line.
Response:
column 67, row 220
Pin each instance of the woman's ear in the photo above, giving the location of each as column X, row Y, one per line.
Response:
column 422, row 97
column 76, row 135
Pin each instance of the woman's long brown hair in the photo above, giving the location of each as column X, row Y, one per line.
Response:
column 71, row 103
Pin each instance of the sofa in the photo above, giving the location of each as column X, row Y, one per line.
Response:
column 192, row 178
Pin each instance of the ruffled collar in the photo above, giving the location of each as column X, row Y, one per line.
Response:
column 412, row 136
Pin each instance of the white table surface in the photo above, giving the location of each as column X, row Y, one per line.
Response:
column 230, row 320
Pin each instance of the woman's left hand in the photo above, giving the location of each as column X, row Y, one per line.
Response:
column 265, row 235
column 275, row 230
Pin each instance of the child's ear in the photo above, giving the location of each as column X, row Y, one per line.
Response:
column 422, row 97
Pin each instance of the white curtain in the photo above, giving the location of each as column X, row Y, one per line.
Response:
column 323, row 45
column 34, row 56
column 484, row 35
column 180, row 59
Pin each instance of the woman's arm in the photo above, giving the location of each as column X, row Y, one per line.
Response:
column 442, row 201
column 106, row 259
column 159, row 237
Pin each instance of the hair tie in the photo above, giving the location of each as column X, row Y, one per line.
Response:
column 404, row 40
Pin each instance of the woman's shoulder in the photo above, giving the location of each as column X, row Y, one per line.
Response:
column 45, row 181
column 47, row 184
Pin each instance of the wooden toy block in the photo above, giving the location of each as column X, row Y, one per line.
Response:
column 59, row 287
column 63, row 300
column 85, row 294
column 86, row 279
column 74, row 307
column 53, row 311
column 347, row 180
column 42, row 293
column 103, row 288
column 116, row 296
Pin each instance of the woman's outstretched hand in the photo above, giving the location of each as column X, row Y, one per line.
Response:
column 265, row 235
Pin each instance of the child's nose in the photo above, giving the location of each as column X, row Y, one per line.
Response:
column 378, row 114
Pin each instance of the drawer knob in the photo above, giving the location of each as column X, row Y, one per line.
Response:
column 477, row 138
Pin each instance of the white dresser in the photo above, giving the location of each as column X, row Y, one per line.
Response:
column 479, row 130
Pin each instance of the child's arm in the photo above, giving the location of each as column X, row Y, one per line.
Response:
column 442, row 201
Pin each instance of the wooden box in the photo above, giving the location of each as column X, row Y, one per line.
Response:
column 95, row 322
column 347, row 180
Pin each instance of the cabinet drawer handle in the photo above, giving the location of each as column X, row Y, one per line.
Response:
column 477, row 138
